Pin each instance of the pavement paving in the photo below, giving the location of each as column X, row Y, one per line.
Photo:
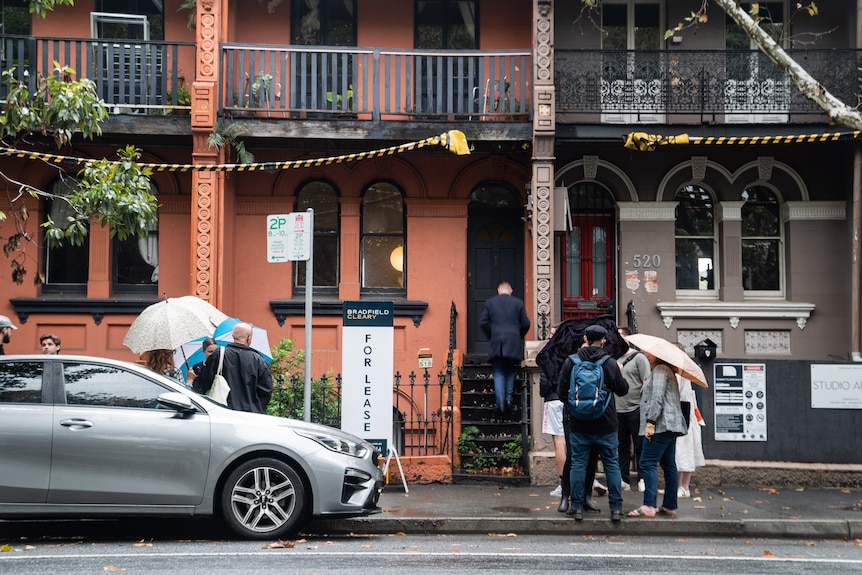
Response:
column 711, row 512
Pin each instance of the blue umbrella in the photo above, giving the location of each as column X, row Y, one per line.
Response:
column 259, row 338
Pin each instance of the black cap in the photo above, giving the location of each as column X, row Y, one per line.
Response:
column 595, row 333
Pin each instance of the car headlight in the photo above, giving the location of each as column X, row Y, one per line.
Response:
column 337, row 444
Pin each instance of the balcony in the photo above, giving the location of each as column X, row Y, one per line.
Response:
column 696, row 87
column 375, row 84
column 132, row 77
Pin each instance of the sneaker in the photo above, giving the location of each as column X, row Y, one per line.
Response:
column 641, row 486
column 599, row 488
column 683, row 493
column 558, row 492
column 626, row 486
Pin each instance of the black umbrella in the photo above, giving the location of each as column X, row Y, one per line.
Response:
column 568, row 338
column 632, row 316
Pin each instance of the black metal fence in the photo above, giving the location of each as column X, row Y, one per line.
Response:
column 739, row 85
column 421, row 413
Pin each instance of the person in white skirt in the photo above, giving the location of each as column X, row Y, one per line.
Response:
column 689, row 447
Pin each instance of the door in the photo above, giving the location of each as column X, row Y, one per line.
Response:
column 114, row 445
column 586, row 252
column 495, row 253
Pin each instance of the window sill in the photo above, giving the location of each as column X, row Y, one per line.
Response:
column 98, row 308
column 283, row 308
column 734, row 311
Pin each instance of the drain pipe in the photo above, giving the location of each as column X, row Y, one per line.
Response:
column 855, row 279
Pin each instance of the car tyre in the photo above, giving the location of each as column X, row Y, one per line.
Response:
column 263, row 499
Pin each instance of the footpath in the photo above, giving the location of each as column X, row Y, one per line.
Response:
column 711, row 512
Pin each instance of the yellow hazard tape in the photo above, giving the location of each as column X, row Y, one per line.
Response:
column 643, row 142
column 454, row 140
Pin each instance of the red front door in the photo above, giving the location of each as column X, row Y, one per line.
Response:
column 588, row 267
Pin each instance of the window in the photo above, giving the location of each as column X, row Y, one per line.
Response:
column 136, row 263
column 324, row 22
column 383, row 265
column 761, row 240
column 152, row 9
column 447, row 25
column 695, row 239
column 15, row 15
column 21, row 382
column 108, row 386
column 66, row 266
column 322, row 198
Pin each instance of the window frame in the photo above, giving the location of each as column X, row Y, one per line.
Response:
column 710, row 293
column 320, row 290
column 779, row 240
column 400, row 291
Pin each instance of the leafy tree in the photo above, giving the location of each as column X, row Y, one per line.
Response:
column 116, row 194
column 758, row 26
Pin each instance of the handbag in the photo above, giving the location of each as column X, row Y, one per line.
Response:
column 220, row 388
column 686, row 412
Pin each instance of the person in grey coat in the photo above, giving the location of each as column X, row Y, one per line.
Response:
column 505, row 323
column 661, row 423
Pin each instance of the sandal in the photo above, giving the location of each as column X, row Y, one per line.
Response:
column 643, row 512
column 669, row 513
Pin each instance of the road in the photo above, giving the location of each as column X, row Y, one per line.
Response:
column 190, row 547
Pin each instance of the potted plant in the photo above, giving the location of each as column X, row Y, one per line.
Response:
column 184, row 98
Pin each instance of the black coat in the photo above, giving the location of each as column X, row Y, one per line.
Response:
column 505, row 323
column 246, row 373
column 613, row 380
column 568, row 338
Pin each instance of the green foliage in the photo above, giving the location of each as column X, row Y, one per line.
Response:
column 228, row 135
column 192, row 7
column 513, row 450
column 468, row 447
column 288, row 396
column 42, row 7
column 60, row 106
column 115, row 194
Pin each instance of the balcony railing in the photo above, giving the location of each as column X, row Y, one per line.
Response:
column 714, row 86
column 130, row 76
column 375, row 84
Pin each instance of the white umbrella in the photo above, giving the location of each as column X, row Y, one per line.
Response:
column 169, row 323
column 669, row 353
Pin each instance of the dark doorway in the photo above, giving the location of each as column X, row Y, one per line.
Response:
column 495, row 252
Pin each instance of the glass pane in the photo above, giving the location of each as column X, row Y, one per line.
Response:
column 647, row 33
column 695, row 264
column 494, row 196
column 694, row 214
column 381, row 258
column 109, row 387
column 382, row 210
column 320, row 197
column 429, row 25
column 760, row 213
column 325, row 263
column 614, row 26
column 462, row 25
column 21, row 382
column 600, row 262
column 16, row 18
column 339, row 29
column 760, row 265
column 138, row 260
column 573, row 263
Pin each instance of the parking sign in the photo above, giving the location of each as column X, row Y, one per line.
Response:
column 288, row 237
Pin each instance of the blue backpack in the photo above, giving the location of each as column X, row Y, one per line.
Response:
column 588, row 396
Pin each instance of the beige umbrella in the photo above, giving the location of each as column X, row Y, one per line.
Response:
column 172, row 322
column 669, row 353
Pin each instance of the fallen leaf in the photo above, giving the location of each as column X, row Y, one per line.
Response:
column 698, row 499
column 142, row 544
column 800, row 489
column 28, row 547
column 534, row 494
column 311, row 548
column 497, row 494
column 280, row 545
column 6, row 548
column 700, row 506
column 401, row 534
column 767, row 553
column 857, row 542
column 502, row 535
column 745, row 511
column 113, row 568
column 846, row 491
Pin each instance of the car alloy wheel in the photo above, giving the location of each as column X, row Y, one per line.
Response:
column 263, row 499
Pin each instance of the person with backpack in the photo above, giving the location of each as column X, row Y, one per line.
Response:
column 634, row 366
column 588, row 381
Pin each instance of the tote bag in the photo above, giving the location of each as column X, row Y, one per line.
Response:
column 220, row 388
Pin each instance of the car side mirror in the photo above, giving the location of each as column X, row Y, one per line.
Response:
column 177, row 401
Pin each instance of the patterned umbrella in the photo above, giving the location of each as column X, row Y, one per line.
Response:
column 169, row 323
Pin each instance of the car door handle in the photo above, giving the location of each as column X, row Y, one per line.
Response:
column 76, row 423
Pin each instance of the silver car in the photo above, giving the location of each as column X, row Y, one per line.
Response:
column 85, row 436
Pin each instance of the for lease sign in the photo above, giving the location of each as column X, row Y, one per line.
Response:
column 367, row 367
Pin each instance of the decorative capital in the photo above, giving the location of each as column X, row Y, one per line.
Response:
column 544, row 8
column 208, row 5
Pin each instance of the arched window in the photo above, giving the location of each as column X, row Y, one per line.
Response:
column 761, row 240
column 695, row 239
column 66, row 266
column 383, row 255
column 323, row 199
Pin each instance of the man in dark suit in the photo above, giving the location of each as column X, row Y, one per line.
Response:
column 504, row 321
